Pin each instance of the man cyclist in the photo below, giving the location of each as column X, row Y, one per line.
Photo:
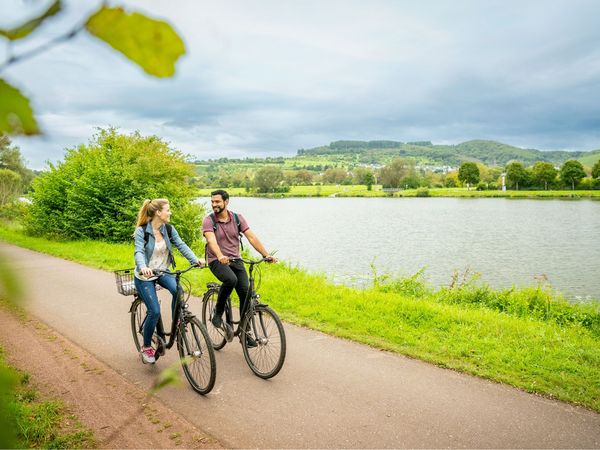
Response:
column 222, row 230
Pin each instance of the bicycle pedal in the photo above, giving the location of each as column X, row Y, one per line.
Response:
column 228, row 332
column 160, row 345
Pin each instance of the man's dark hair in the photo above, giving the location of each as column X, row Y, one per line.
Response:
column 224, row 195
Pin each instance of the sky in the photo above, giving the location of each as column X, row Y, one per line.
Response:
column 266, row 78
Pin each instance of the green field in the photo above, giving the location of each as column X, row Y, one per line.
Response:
column 361, row 191
column 530, row 338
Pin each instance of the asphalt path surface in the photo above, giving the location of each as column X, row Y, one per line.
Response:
column 331, row 393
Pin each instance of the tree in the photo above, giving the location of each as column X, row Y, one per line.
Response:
column 97, row 190
column 544, row 173
column 360, row 174
column 515, row 174
column 468, row 173
column 150, row 43
column 334, row 176
column 303, row 177
column 268, row 179
column 11, row 159
column 369, row 180
column 596, row 170
column 572, row 172
column 394, row 174
column 10, row 186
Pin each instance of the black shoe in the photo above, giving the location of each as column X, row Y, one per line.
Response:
column 251, row 342
column 216, row 321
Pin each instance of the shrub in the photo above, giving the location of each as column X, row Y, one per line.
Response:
column 422, row 192
column 96, row 192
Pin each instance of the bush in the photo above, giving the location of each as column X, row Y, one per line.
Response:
column 422, row 192
column 14, row 211
column 96, row 192
column 588, row 184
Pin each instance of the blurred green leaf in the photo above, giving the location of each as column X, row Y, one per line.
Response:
column 16, row 116
column 24, row 30
column 168, row 377
column 10, row 288
column 150, row 43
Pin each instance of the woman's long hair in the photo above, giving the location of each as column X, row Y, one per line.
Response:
column 149, row 209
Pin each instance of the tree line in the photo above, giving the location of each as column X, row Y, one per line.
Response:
column 404, row 173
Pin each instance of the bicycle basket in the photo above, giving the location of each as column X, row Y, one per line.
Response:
column 124, row 279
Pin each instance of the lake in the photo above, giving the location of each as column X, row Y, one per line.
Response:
column 509, row 242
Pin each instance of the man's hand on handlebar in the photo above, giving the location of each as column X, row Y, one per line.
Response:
column 271, row 259
column 224, row 260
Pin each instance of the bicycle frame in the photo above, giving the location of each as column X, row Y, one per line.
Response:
column 251, row 298
column 180, row 311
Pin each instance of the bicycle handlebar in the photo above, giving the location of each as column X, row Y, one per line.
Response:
column 253, row 262
column 157, row 272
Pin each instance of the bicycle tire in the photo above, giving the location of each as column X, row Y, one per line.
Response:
column 138, row 316
column 196, row 355
column 217, row 336
column 266, row 328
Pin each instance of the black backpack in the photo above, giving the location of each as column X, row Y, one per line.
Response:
column 169, row 234
column 237, row 222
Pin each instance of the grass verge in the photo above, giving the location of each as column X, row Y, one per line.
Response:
column 528, row 338
column 28, row 421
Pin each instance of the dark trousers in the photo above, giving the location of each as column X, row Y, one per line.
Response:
column 232, row 276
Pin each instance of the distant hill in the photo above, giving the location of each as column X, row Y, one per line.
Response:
column 490, row 153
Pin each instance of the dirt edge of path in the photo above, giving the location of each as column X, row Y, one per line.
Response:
column 119, row 413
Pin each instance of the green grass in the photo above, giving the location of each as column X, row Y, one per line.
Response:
column 377, row 191
column 528, row 338
column 27, row 421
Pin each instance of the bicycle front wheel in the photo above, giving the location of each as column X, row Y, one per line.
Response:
column 196, row 355
column 138, row 312
column 263, row 342
column 209, row 302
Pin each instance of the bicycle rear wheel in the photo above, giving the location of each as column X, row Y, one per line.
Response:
column 209, row 302
column 263, row 327
column 138, row 312
column 196, row 355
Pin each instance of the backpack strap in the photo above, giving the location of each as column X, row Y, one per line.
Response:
column 239, row 228
column 214, row 221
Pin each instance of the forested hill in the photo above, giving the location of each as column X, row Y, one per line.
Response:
column 490, row 153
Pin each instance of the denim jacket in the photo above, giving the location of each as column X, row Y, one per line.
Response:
column 143, row 251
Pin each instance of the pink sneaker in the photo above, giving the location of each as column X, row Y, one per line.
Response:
column 148, row 355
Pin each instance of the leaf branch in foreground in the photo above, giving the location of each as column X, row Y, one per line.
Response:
column 16, row 115
column 25, row 29
column 150, row 43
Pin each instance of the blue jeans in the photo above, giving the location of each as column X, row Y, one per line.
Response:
column 147, row 292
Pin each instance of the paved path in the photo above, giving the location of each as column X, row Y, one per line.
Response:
column 331, row 393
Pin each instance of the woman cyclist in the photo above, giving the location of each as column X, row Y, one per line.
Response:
column 154, row 238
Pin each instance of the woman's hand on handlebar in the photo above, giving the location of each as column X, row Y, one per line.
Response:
column 147, row 272
column 201, row 262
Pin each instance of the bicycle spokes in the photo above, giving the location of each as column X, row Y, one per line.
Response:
column 264, row 342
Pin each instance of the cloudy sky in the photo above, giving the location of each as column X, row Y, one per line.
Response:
column 269, row 77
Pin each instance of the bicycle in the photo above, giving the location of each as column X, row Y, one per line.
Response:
column 260, row 329
column 196, row 353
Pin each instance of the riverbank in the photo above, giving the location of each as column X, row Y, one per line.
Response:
column 528, row 338
column 378, row 191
